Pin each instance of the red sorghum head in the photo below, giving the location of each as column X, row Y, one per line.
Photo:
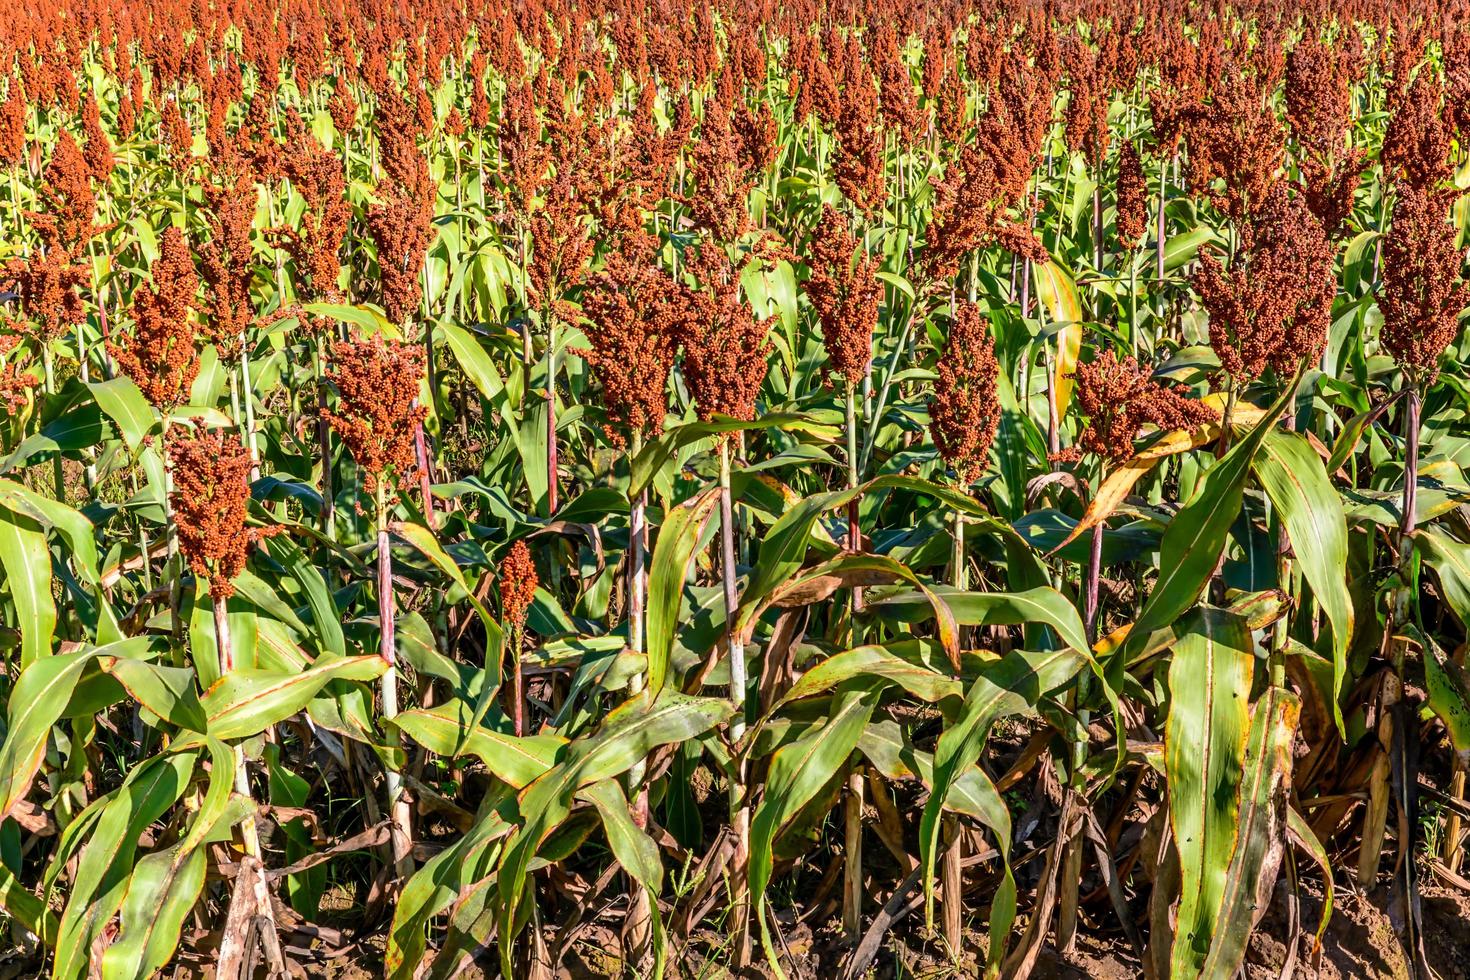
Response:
column 845, row 292
column 1119, row 398
column 377, row 381
column 159, row 354
column 210, row 502
column 1422, row 295
column 725, row 346
column 964, row 411
column 635, row 314
column 518, row 584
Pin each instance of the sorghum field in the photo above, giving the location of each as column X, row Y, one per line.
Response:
column 817, row 489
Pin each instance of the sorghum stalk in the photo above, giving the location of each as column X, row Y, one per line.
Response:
column 951, row 886
column 58, row 472
column 248, row 830
column 324, row 443
column 1453, row 850
column 245, row 390
column 1161, row 242
column 852, row 870
column 854, row 533
column 739, row 810
column 388, row 685
column 1071, row 875
column 636, row 595
column 551, row 461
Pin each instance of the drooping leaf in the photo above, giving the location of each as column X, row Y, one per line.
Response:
column 1195, row 537
column 797, row 772
column 445, row 730
column 673, row 551
column 246, row 702
column 1013, row 685
column 38, row 701
column 1204, row 755
column 1299, row 488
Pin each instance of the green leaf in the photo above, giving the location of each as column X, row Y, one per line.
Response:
column 658, row 452
column 106, row 860
column 1449, row 693
column 247, row 702
column 446, row 730
column 26, row 908
column 907, row 663
column 38, row 701
column 1303, row 834
column 164, row 885
column 1204, row 752
column 1058, row 293
column 70, row 524
column 1013, row 685
column 120, row 399
column 324, row 615
column 445, row 877
column 27, row 563
column 423, row 539
column 1195, row 537
column 1258, row 833
column 673, row 552
column 370, row 320
column 1040, row 605
column 168, row 692
column 628, row 735
column 162, row 889
column 475, row 362
column 1296, row 481
column 1450, row 561
column 797, row 772
column 634, row 850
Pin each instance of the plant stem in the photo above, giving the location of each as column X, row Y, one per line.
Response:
column 324, row 445
column 551, row 461
column 1090, row 582
column 248, row 830
column 58, row 471
column 952, row 893
column 740, row 812
column 245, row 389
column 854, row 532
column 398, row 809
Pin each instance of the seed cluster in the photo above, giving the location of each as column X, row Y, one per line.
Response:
column 984, row 198
column 635, row 313
column 159, row 353
column 400, row 224
column 1422, row 294
column 315, row 242
column 964, row 412
column 1132, row 195
column 725, row 346
column 377, row 381
column 518, row 584
column 1118, row 398
column 1319, row 111
column 1272, row 303
column 225, row 260
column 844, row 291
column 210, row 502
